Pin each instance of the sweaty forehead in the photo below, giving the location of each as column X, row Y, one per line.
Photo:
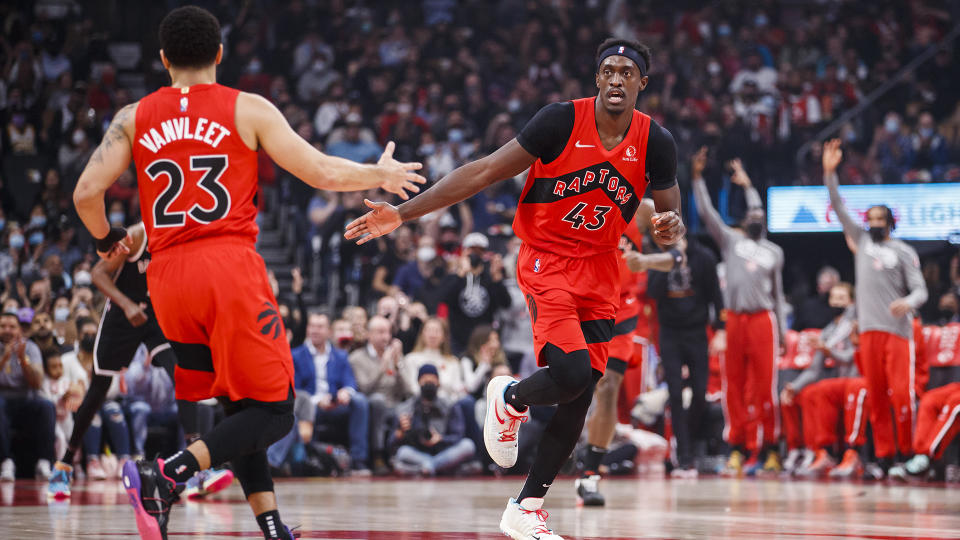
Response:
column 618, row 62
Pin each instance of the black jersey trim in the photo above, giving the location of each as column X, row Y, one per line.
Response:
column 602, row 176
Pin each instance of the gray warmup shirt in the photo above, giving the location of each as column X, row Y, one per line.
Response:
column 886, row 271
column 836, row 337
column 753, row 267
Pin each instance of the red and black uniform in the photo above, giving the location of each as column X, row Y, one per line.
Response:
column 622, row 346
column 198, row 185
column 576, row 204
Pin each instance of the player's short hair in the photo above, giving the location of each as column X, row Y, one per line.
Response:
column 190, row 37
column 891, row 219
column 641, row 49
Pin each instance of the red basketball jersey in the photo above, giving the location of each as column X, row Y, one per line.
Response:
column 579, row 204
column 197, row 178
column 630, row 281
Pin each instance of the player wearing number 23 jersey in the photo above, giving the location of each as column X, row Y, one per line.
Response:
column 577, row 202
column 198, row 183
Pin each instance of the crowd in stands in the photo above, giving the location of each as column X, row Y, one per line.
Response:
column 402, row 334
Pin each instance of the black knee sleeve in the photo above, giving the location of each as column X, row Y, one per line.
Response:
column 248, row 428
column 253, row 472
column 571, row 371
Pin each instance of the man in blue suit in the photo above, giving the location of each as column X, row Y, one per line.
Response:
column 327, row 398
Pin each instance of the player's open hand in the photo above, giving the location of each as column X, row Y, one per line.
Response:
column 399, row 177
column 668, row 228
column 698, row 163
column 381, row 220
column 832, row 154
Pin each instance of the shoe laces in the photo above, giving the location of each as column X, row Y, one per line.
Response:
column 509, row 434
column 542, row 515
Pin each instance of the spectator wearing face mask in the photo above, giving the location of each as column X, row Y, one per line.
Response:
column 411, row 277
column 430, row 433
column 475, row 292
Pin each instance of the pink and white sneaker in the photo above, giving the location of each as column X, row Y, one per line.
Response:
column 502, row 423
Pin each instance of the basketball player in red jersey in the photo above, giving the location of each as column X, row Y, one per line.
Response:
column 589, row 161
column 194, row 145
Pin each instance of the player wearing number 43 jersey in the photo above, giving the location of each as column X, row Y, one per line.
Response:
column 589, row 162
column 194, row 145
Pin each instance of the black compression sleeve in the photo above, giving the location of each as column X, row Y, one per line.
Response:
column 661, row 157
column 547, row 133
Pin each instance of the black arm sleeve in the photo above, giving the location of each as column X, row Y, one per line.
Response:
column 661, row 157
column 547, row 133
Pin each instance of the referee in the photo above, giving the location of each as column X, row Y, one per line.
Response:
column 683, row 281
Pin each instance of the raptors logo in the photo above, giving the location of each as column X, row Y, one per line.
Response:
column 532, row 306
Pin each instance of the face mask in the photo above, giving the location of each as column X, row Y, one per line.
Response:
column 61, row 314
column 877, row 234
column 78, row 137
column 837, row 311
column 476, row 260
column 3, row 223
column 38, row 221
column 87, row 343
column 926, row 133
column 426, row 254
column 254, row 67
column 754, row 229
column 714, row 68
column 450, row 247
column 16, row 241
column 947, row 314
column 514, row 105
column 36, row 238
column 428, row 391
column 892, row 125
column 455, row 135
column 116, row 218
column 723, row 30
column 344, row 341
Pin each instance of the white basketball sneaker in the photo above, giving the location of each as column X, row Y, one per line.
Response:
column 501, row 424
column 526, row 521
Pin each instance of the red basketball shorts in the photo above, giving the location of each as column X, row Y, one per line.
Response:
column 572, row 301
column 214, row 293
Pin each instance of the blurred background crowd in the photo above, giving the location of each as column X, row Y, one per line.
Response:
column 434, row 310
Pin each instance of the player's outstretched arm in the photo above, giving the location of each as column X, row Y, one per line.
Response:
column 701, row 196
column 106, row 268
column 106, row 164
column 508, row 161
column 260, row 121
column 742, row 179
column 832, row 154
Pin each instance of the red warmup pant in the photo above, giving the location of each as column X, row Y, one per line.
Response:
column 792, row 425
column 750, row 380
column 888, row 367
column 822, row 404
column 937, row 420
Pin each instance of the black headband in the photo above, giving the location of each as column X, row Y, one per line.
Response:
column 624, row 50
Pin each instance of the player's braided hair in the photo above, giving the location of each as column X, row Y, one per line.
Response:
column 190, row 37
column 642, row 49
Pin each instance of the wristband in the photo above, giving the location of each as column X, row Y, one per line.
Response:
column 677, row 256
column 115, row 235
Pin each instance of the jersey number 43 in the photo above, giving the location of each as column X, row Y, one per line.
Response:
column 213, row 167
column 576, row 218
